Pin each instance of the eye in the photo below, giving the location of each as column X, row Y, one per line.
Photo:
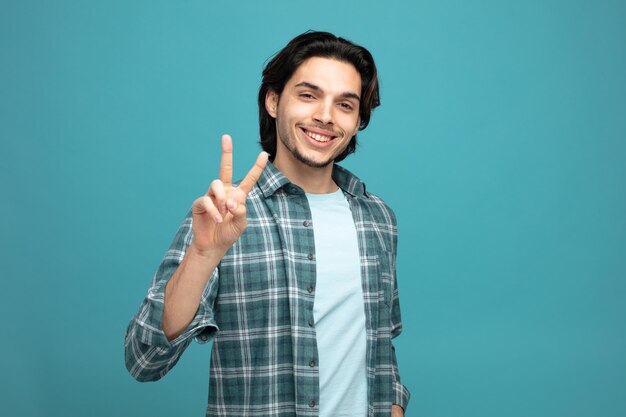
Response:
column 307, row 96
column 346, row 106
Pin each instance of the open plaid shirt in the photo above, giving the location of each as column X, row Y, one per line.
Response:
column 258, row 307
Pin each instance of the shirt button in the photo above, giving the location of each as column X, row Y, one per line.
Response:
column 310, row 256
column 204, row 338
column 306, row 223
column 312, row 403
column 310, row 289
column 312, row 364
column 311, row 322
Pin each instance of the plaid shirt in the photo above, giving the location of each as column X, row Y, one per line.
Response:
column 258, row 307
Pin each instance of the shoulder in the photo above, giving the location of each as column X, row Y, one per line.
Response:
column 257, row 209
column 376, row 206
column 379, row 209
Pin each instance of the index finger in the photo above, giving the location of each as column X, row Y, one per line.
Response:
column 226, row 164
column 254, row 174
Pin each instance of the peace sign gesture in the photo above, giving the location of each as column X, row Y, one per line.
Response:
column 219, row 216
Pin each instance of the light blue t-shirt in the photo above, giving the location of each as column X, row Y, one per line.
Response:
column 338, row 309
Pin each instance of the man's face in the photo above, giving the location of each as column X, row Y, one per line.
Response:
column 317, row 113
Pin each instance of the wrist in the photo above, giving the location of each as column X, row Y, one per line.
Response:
column 210, row 254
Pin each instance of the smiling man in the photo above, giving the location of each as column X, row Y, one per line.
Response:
column 291, row 272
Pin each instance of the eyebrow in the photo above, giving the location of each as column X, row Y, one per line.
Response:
column 314, row 87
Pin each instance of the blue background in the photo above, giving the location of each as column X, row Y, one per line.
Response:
column 500, row 144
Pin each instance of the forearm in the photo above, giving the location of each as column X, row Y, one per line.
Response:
column 397, row 411
column 184, row 289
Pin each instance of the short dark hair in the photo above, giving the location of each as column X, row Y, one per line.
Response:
column 311, row 44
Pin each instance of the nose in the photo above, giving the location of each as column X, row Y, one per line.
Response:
column 323, row 113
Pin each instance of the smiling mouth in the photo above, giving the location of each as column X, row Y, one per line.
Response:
column 317, row 137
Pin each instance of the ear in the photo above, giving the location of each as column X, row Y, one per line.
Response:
column 271, row 102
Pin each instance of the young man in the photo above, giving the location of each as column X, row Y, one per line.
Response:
column 292, row 272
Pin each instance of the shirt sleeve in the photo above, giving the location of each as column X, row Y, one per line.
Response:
column 148, row 353
column 401, row 393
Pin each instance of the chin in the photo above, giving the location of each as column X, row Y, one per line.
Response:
column 313, row 163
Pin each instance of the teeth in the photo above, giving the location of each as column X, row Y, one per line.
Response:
column 319, row 138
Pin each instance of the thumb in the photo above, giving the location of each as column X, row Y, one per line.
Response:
column 236, row 200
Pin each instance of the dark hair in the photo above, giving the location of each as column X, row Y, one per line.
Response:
column 308, row 45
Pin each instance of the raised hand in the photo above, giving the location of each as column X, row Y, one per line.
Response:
column 219, row 216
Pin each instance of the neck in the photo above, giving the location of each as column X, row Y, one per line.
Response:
column 311, row 180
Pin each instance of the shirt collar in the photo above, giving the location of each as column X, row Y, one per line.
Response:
column 348, row 182
column 272, row 179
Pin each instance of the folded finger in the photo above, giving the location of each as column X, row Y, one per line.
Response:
column 204, row 206
column 218, row 192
